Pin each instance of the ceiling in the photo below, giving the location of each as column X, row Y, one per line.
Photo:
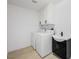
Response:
column 29, row 4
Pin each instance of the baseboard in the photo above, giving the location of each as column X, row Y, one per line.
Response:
column 17, row 50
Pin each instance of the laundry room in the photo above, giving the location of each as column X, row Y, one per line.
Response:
column 39, row 29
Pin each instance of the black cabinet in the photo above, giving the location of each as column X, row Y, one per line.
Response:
column 62, row 49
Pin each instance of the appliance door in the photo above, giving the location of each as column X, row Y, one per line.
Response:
column 44, row 45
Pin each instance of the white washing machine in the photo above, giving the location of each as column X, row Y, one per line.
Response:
column 43, row 43
column 33, row 39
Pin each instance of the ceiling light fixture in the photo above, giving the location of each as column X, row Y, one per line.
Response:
column 34, row 1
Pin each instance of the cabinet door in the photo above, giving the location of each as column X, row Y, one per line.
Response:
column 53, row 45
column 48, row 14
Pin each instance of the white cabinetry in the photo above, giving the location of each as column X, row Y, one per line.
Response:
column 47, row 13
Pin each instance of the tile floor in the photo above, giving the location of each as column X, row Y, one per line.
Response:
column 28, row 53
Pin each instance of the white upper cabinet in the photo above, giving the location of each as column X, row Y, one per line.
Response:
column 47, row 13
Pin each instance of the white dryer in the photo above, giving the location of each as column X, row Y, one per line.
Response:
column 43, row 43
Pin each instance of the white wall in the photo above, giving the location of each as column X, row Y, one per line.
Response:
column 21, row 22
column 62, row 17
column 58, row 14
